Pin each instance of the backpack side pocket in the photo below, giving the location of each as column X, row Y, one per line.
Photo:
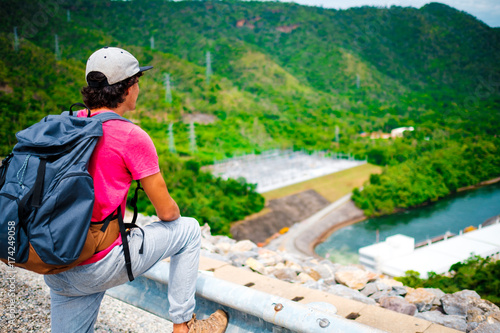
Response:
column 63, row 220
column 13, row 239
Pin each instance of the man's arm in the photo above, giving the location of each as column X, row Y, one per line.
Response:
column 157, row 192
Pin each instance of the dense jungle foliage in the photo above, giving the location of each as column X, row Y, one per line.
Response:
column 434, row 175
column 284, row 76
column 476, row 273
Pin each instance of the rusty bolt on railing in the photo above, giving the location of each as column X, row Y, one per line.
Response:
column 323, row 322
column 278, row 307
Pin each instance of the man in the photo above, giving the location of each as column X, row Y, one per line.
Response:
column 125, row 153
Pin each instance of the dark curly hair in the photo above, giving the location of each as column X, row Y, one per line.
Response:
column 109, row 96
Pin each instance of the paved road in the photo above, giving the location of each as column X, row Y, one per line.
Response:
column 302, row 236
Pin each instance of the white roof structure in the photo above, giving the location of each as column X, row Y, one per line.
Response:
column 276, row 169
column 436, row 257
column 398, row 132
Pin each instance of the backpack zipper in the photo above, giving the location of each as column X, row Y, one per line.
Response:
column 80, row 173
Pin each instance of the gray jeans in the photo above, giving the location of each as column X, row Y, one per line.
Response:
column 76, row 294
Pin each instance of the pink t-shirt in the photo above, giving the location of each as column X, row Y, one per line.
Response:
column 124, row 153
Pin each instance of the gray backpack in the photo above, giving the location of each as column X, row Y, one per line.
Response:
column 47, row 194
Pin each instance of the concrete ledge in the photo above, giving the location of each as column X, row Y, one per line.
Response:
column 250, row 300
column 370, row 315
column 249, row 310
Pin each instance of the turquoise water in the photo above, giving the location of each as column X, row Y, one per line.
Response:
column 451, row 214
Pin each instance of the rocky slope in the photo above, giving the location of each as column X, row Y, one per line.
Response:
column 284, row 213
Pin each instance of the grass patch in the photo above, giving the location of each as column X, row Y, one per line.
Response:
column 332, row 187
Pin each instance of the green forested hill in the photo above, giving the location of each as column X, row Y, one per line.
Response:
column 284, row 76
column 434, row 46
column 29, row 81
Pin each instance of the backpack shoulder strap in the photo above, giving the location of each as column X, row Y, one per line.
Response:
column 3, row 169
column 105, row 116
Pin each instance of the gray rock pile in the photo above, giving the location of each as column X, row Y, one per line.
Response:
column 464, row 310
column 27, row 310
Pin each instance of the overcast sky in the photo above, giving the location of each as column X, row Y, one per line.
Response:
column 487, row 11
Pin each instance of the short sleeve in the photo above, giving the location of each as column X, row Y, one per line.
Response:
column 140, row 154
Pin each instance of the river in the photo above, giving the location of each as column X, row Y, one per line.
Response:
column 454, row 213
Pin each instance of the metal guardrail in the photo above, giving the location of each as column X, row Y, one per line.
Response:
column 249, row 310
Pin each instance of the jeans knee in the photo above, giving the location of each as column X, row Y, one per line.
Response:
column 194, row 227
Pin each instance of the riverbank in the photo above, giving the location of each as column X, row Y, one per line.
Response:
column 481, row 184
column 327, row 232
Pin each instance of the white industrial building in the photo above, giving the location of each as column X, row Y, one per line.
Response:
column 397, row 254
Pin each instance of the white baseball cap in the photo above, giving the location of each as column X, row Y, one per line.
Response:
column 115, row 63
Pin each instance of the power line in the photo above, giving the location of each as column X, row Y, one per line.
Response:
column 16, row 40
column 337, row 134
column 57, row 51
column 209, row 67
column 192, row 138
column 168, row 92
column 171, row 142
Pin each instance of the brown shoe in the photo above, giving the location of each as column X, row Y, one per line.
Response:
column 216, row 323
